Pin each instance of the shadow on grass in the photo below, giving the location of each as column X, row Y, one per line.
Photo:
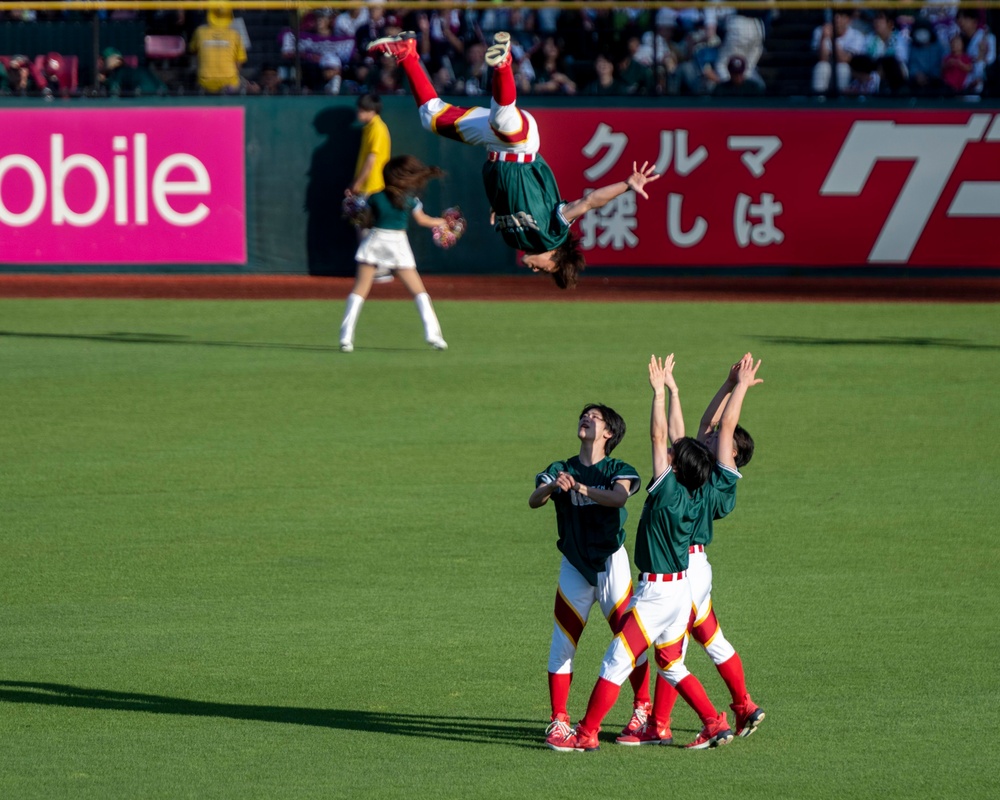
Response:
column 514, row 732
column 882, row 341
column 174, row 338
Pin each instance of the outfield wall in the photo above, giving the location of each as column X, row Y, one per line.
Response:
column 253, row 185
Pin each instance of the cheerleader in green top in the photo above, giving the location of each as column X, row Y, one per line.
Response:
column 387, row 247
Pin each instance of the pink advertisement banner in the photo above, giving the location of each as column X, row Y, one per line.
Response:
column 117, row 186
column 785, row 187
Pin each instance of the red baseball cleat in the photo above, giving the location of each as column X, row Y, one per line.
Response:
column 399, row 47
column 748, row 717
column 647, row 734
column 559, row 729
column 576, row 742
column 715, row 734
column 640, row 713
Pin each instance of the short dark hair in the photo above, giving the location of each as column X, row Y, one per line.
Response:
column 692, row 463
column 743, row 442
column 370, row 102
column 612, row 421
column 569, row 262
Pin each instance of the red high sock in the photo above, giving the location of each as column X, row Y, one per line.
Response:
column 663, row 704
column 601, row 701
column 420, row 81
column 694, row 693
column 559, row 691
column 731, row 671
column 504, row 88
column 640, row 682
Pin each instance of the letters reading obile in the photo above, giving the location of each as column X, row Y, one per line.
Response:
column 128, row 191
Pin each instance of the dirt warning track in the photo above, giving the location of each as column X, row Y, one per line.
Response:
column 509, row 288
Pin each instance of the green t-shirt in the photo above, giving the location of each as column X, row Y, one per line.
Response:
column 387, row 216
column 589, row 533
column 714, row 500
column 665, row 527
column 525, row 199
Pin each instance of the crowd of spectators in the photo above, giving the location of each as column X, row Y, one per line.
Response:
column 590, row 52
column 934, row 51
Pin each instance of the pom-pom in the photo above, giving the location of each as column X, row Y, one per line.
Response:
column 447, row 235
column 353, row 208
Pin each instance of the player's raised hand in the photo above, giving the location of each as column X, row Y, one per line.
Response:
column 734, row 370
column 668, row 373
column 641, row 176
column 657, row 372
column 747, row 372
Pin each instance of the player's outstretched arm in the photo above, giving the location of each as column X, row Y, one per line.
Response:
column 658, row 417
column 746, row 376
column 713, row 412
column 426, row 220
column 601, row 197
column 675, row 417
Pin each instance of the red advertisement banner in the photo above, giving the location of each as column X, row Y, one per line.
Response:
column 784, row 187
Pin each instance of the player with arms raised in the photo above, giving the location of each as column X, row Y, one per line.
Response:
column 526, row 208
column 734, row 446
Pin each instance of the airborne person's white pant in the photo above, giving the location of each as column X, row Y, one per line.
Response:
column 493, row 128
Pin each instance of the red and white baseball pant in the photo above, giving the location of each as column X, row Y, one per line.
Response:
column 503, row 127
column 705, row 628
column 574, row 599
column 658, row 614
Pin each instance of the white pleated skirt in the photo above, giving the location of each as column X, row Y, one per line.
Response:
column 386, row 249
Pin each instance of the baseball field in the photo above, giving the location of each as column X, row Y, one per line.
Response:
column 235, row 562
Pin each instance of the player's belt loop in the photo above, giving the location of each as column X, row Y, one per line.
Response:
column 652, row 577
column 696, row 548
column 521, row 158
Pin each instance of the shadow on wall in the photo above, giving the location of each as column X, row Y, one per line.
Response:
column 330, row 241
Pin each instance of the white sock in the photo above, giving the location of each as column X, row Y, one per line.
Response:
column 351, row 313
column 432, row 328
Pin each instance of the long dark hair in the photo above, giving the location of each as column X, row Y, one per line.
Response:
column 406, row 176
column 569, row 261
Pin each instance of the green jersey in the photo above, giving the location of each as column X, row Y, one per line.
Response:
column 387, row 216
column 666, row 526
column 589, row 533
column 525, row 199
column 714, row 500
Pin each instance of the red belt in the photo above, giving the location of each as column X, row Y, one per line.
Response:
column 523, row 158
column 659, row 576
column 696, row 548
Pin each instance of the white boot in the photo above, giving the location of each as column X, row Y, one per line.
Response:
column 351, row 313
column 432, row 328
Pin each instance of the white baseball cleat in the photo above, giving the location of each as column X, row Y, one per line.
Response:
column 437, row 343
column 498, row 53
column 347, row 347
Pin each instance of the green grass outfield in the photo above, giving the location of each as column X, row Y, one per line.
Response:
column 235, row 562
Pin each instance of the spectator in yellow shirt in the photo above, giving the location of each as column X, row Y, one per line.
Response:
column 376, row 146
column 220, row 52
